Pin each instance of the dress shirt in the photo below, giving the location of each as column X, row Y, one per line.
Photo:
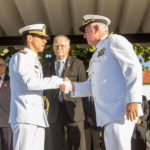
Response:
column 61, row 73
column 1, row 80
column 57, row 63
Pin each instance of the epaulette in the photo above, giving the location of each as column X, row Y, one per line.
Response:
column 23, row 51
column 109, row 35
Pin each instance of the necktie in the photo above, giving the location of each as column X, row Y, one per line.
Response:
column 60, row 72
column 0, row 82
column 60, row 68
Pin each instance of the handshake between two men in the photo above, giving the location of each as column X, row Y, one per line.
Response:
column 66, row 86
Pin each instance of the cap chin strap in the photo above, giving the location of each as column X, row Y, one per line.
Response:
column 87, row 21
column 94, row 20
column 39, row 33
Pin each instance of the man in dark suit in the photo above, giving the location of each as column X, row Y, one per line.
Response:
column 5, row 129
column 64, row 110
column 92, row 132
column 138, row 141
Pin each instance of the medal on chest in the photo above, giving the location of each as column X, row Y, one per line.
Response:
column 101, row 52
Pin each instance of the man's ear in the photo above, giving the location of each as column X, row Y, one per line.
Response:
column 69, row 47
column 29, row 38
column 96, row 28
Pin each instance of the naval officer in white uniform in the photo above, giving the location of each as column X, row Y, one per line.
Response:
column 115, row 82
column 27, row 116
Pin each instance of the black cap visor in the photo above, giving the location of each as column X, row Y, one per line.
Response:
column 47, row 37
column 82, row 28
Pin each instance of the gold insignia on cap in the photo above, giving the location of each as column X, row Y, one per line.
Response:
column 23, row 51
column 42, row 33
column 44, row 29
column 36, row 66
column 85, row 22
column 38, row 32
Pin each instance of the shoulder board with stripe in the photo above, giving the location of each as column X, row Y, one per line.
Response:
column 109, row 35
column 23, row 51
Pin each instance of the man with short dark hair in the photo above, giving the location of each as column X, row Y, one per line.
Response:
column 27, row 116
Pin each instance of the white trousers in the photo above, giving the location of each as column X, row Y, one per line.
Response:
column 27, row 137
column 117, row 135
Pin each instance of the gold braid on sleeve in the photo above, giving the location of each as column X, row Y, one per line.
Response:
column 46, row 103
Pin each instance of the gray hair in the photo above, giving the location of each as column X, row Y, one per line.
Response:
column 62, row 36
column 103, row 26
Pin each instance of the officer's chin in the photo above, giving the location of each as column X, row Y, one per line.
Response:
column 41, row 50
column 89, row 43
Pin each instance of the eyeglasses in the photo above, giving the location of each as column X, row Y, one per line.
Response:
column 62, row 46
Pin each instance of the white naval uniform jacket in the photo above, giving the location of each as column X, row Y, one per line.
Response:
column 27, row 85
column 115, row 79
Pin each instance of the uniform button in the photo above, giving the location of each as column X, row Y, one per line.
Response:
column 92, row 72
column 93, row 85
column 33, row 104
column 94, row 98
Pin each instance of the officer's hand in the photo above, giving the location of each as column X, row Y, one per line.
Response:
column 71, row 83
column 138, row 121
column 62, row 87
column 65, row 87
column 132, row 111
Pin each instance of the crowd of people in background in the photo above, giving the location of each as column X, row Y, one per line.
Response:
column 104, row 112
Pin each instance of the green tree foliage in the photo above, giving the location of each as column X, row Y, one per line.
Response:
column 144, row 52
column 82, row 53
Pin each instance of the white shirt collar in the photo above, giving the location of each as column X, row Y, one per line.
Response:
column 29, row 51
column 3, row 76
column 101, row 41
column 64, row 60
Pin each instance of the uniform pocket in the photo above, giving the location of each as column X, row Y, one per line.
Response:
column 29, row 102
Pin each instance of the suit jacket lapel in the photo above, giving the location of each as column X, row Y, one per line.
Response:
column 53, row 67
column 6, row 78
column 50, row 68
column 68, row 64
